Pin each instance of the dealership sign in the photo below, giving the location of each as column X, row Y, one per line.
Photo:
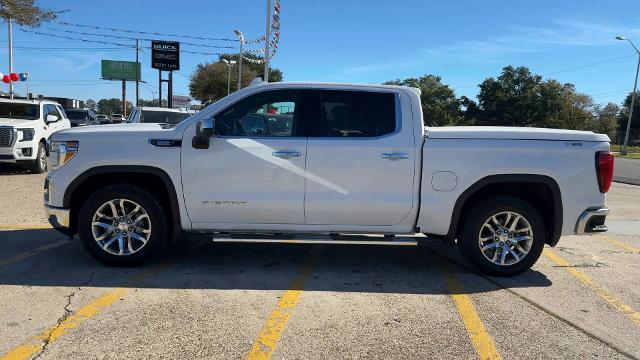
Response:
column 165, row 55
column 120, row 70
column 180, row 101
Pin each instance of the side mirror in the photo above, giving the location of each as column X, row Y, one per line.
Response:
column 204, row 131
column 51, row 118
column 208, row 127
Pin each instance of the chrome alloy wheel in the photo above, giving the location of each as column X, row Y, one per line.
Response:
column 42, row 160
column 121, row 227
column 505, row 238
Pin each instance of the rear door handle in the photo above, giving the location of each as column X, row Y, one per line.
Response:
column 285, row 154
column 395, row 156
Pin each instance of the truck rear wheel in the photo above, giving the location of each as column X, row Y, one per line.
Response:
column 502, row 236
column 122, row 225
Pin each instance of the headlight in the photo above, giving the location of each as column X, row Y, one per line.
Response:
column 60, row 152
column 27, row 134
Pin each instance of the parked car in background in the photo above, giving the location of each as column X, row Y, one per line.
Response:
column 104, row 119
column 157, row 115
column 25, row 127
column 117, row 118
column 336, row 158
column 82, row 117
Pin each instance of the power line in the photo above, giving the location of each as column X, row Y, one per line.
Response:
column 591, row 64
column 76, row 39
column 142, row 32
column 70, row 48
column 134, row 38
column 108, row 42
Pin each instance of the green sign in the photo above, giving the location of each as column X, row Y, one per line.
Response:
column 120, row 70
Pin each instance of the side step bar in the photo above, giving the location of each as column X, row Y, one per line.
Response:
column 343, row 239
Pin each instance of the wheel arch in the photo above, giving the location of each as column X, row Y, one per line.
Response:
column 541, row 191
column 146, row 177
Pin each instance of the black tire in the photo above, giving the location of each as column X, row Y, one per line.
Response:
column 470, row 232
column 157, row 219
column 38, row 166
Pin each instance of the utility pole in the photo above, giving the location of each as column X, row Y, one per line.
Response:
column 124, row 98
column 10, row 31
column 623, row 151
column 159, row 88
column 170, row 91
column 266, row 43
column 137, row 74
column 241, row 40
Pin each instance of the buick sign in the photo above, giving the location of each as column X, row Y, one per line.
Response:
column 165, row 55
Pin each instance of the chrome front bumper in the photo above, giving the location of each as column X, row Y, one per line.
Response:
column 58, row 217
column 592, row 221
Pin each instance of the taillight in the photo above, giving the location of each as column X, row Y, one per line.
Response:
column 604, row 170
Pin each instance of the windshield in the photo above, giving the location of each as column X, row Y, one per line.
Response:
column 165, row 117
column 77, row 114
column 19, row 111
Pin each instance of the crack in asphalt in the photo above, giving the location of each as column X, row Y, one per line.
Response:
column 65, row 315
column 584, row 265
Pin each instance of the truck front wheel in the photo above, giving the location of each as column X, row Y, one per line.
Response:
column 502, row 236
column 39, row 165
column 122, row 225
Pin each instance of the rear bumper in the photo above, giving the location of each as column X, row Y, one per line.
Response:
column 592, row 221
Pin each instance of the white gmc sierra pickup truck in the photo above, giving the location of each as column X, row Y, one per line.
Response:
column 324, row 159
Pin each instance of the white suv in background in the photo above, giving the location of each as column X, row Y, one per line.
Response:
column 25, row 127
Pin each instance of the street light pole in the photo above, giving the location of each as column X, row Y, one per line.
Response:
column 623, row 151
column 10, row 31
column 241, row 40
column 229, row 64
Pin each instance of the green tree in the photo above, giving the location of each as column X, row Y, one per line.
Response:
column 209, row 81
column 153, row 102
column 25, row 12
column 623, row 117
column 579, row 112
column 112, row 106
column 440, row 106
column 519, row 98
column 90, row 104
column 607, row 120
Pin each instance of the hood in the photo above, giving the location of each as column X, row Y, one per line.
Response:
column 18, row 123
column 111, row 128
column 512, row 133
column 115, row 131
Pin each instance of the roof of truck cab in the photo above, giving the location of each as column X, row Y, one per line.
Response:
column 336, row 84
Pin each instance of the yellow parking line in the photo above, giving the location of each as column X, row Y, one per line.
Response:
column 586, row 280
column 24, row 227
column 480, row 338
column 620, row 244
column 270, row 334
column 32, row 252
column 33, row 346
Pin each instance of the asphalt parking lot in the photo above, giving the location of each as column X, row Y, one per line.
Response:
column 312, row 301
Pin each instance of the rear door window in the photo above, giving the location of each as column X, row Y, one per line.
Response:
column 357, row 114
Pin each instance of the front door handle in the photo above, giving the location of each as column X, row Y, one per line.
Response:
column 395, row 156
column 285, row 154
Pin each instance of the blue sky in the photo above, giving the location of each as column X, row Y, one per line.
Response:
column 353, row 41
